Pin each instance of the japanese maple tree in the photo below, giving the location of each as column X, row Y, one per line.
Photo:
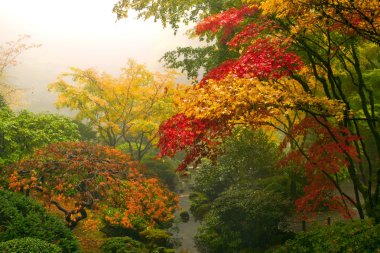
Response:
column 284, row 60
column 267, row 82
column 324, row 163
column 75, row 177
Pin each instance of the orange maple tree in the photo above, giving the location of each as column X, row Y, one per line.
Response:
column 77, row 176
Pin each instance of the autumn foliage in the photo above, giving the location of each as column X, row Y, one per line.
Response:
column 359, row 17
column 322, row 160
column 296, row 67
column 124, row 110
column 204, row 118
column 225, row 21
column 196, row 136
column 75, row 177
column 139, row 203
column 261, row 56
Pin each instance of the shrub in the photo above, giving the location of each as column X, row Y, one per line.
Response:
column 30, row 245
column 154, row 238
column 184, row 216
column 153, row 241
column 21, row 217
column 162, row 250
column 122, row 245
column 352, row 236
column 200, row 205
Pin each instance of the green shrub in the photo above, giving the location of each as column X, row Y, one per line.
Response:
column 153, row 241
column 352, row 236
column 21, row 216
column 28, row 245
column 162, row 250
column 154, row 238
column 122, row 245
column 185, row 217
column 199, row 205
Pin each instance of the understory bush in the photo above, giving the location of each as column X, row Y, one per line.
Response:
column 28, row 245
column 150, row 241
column 21, row 217
column 350, row 236
column 123, row 244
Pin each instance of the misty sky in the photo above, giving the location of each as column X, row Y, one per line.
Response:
column 80, row 33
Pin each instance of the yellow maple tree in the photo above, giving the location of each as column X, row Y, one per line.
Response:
column 125, row 109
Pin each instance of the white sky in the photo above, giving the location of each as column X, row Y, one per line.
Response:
column 80, row 33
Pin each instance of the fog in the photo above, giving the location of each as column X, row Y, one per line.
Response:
column 79, row 33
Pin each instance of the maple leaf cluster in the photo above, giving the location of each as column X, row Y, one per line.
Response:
column 261, row 55
column 139, row 200
column 250, row 32
column 225, row 21
column 191, row 134
column 358, row 17
column 264, row 59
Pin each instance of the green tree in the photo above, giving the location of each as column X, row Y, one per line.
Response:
column 21, row 133
column 171, row 12
column 248, row 158
column 192, row 60
column 241, row 220
column 164, row 170
column 241, row 199
column 86, row 131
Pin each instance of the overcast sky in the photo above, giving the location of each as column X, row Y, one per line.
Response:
column 80, row 33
